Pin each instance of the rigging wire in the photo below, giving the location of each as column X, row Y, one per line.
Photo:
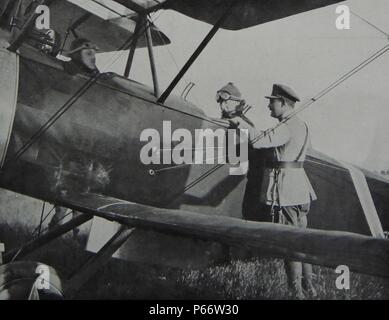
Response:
column 327, row 90
column 91, row 81
column 370, row 24
column 79, row 93
column 42, row 221
column 68, row 104
column 194, row 148
column 335, row 84
column 206, row 119
column 32, row 239
column 52, row 120
column 220, row 160
column 321, row 94
column 202, row 177
column 175, row 63
column 110, row 9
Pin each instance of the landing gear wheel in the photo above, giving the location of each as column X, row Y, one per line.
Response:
column 29, row 280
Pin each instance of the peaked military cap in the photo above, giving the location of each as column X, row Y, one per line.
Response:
column 283, row 91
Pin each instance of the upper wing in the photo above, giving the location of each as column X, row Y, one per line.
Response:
column 143, row 5
column 104, row 22
column 329, row 248
column 246, row 13
column 109, row 24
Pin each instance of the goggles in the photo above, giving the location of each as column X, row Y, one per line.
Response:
column 89, row 45
column 225, row 96
column 86, row 45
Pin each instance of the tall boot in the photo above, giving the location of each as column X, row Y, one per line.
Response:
column 307, row 280
column 294, row 274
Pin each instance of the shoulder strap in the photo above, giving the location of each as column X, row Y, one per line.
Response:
column 304, row 145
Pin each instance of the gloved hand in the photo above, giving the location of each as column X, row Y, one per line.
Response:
column 234, row 123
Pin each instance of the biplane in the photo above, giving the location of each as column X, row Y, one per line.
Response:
column 81, row 134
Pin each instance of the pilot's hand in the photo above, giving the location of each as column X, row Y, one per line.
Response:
column 234, row 123
column 107, row 75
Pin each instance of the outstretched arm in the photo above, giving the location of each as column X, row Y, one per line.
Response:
column 272, row 138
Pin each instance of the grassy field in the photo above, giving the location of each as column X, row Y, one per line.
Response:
column 252, row 279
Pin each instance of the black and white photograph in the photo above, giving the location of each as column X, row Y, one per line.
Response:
column 213, row 151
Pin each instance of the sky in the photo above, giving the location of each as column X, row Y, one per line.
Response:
column 306, row 52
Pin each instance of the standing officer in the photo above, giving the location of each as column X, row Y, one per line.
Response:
column 286, row 190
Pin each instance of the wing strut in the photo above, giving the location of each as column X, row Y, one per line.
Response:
column 143, row 26
column 149, row 41
column 139, row 26
column 198, row 51
column 46, row 238
column 97, row 261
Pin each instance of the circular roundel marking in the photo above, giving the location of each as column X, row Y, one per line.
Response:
column 29, row 280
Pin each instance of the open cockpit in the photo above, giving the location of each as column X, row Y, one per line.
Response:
column 45, row 30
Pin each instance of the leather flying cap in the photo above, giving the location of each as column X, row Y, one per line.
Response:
column 231, row 89
column 282, row 91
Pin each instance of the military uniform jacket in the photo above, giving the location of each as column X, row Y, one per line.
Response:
column 286, row 186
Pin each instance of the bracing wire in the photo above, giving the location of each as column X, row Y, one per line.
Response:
column 41, row 219
column 79, row 93
column 327, row 90
column 110, row 9
column 321, row 94
column 174, row 61
column 68, row 104
column 370, row 24
column 44, row 230
column 38, row 229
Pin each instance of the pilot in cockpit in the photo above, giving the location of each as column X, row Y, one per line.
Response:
column 232, row 105
column 83, row 55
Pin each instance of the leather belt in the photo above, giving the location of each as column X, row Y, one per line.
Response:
column 284, row 164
